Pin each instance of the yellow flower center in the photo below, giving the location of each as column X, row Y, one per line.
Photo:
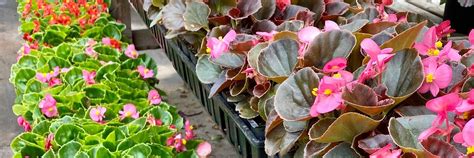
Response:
column 134, row 53
column 220, row 38
column 327, row 92
column 315, row 91
column 97, row 112
column 430, row 78
column 470, row 150
column 50, row 109
column 191, row 127
column 439, row 44
column 465, row 115
column 433, row 52
column 127, row 114
column 184, row 141
column 335, row 67
column 145, row 71
column 337, row 75
column 208, row 50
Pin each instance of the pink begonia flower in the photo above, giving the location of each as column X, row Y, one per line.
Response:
column 328, row 97
column 54, row 82
column 88, row 76
column 267, row 36
column 131, row 52
column 330, row 25
column 203, row 149
column 46, row 77
column 91, row 52
column 23, row 123
column 471, row 38
column 281, row 4
column 91, row 42
column 48, row 143
column 436, row 78
column 145, row 72
column 107, row 41
column 154, row 97
column 377, row 55
column 467, row 104
column 307, row 34
column 466, row 137
column 430, row 45
column 154, row 122
column 97, row 114
column 443, row 56
column 386, row 152
column 188, row 129
column 444, row 29
column 129, row 110
column 335, row 65
column 177, row 142
column 441, row 105
column 48, row 106
column 217, row 46
column 26, row 49
column 250, row 72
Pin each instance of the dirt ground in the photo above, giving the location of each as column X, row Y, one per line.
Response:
column 178, row 93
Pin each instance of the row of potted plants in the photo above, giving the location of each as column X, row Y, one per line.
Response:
column 83, row 92
column 332, row 77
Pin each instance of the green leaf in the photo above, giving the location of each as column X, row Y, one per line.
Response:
column 111, row 30
column 99, row 152
column 229, row 60
column 28, row 144
column 245, row 111
column 355, row 25
column 69, row 149
column 54, row 37
column 252, row 57
column 195, row 16
column 73, row 75
column 139, row 151
column 206, row 71
column 187, row 154
column 342, row 150
column 345, row 128
column 367, row 103
column 81, row 154
column 293, row 98
column 55, row 61
column 278, row 60
column 27, row 26
column 173, row 12
column 292, row 25
column 19, row 109
column 246, row 8
column 67, row 133
column 49, row 154
column 405, row 131
column 42, row 128
column 404, row 39
column 106, row 69
column 434, row 147
column 403, row 75
column 280, row 141
column 315, row 149
column 372, row 144
column 28, row 61
column 267, row 10
column 222, row 6
column 327, row 46
column 22, row 77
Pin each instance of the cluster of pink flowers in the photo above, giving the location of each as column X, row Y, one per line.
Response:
column 178, row 142
column 50, row 78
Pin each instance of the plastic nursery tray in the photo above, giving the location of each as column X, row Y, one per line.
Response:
column 247, row 136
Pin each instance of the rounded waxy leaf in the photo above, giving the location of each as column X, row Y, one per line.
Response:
column 229, row 60
column 355, row 25
column 367, row 103
column 293, row 99
column 253, row 54
column 245, row 111
column 405, row 131
column 69, row 149
column 292, row 25
column 405, row 39
column 342, row 150
column 173, row 18
column 403, row 75
column 267, row 10
column 372, row 144
column 195, row 16
column 434, row 147
column 206, row 71
column 280, row 141
column 246, row 8
column 315, row 149
column 279, row 59
column 344, row 128
column 329, row 45
column 67, row 133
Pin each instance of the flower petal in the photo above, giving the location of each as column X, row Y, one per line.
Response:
column 443, row 76
column 307, row 34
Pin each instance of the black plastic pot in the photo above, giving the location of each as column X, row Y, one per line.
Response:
column 462, row 18
column 247, row 136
